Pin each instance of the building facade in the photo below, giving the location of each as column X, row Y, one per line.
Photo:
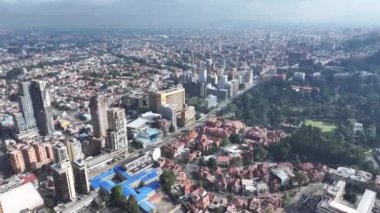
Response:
column 82, row 184
column 117, row 137
column 60, row 153
column 64, row 182
column 174, row 97
column 98, row 108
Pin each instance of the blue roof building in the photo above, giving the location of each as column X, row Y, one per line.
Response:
column 141, row 185
column 148, row 136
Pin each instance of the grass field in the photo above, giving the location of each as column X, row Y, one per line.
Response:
column 324, row 126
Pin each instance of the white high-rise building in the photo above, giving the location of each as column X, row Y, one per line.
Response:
column 74, row 149
column 117, row 138
column 64, row 182
column 60, row 153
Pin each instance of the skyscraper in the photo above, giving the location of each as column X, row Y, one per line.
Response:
column 202, row 78
column 99, row 107
column 25, row 122
column 35, row 110
column 42, row 107
column 117, row 132
column 60, row 153
column 82, row 185
column 74, row 149
column 64, row 182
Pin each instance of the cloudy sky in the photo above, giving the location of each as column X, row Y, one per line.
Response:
column 182, row 13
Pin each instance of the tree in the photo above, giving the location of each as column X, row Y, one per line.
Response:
column 260, row 154
column 230, row 198
column 132, row 206
column 300, row 177
column 171, row 128
column 211, row 163
column 167, row 180
column 235, row 138
column 225, row 141
column 117, row 194
column 235, row 161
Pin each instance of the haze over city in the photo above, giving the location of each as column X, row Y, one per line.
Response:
column 184, row 13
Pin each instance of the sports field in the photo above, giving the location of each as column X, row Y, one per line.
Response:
column 324, row 126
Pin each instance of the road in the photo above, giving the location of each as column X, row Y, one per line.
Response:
column 174, row 136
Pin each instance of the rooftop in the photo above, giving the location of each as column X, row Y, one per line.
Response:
column 21, row 198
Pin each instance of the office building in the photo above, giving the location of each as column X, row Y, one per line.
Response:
column 169, row 113
column 35, row 110
column 174, row 97
column 222, row 82
column 211, row 101
column 80, row 172
column 74, row 149
column 25, row 122
column 42, row 107
column 202, row 77
column 60, row 153
column 117, row 138
column 63, row 182
column 17, row 161
column 98, row 108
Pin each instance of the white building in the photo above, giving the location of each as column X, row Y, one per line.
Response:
column 333, row 201
column 60, row 153
column 299, row 76
column 21, row 198
column 74, row 149
column 248, row 187
column 211, row 101
column 117, row 137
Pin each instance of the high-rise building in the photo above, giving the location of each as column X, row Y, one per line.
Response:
column 174, row 97
column 117, row 132
column 99, row 107
column 64, row 182
column 222, row 82
column 35, row 110
column 60, row 153
column 17, row 161
column 30, row 157
column 74, row 149
column 202, row 76
column 42, row 107
column 25, row 122
column 82, row 185
column 169, row 113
